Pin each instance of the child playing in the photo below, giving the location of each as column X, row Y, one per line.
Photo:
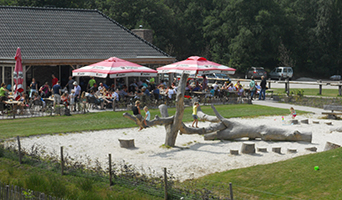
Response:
column 147, row 114
column 194, row 114
column 293, row 112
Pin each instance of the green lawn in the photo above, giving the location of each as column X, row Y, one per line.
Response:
column 112, row 120
column 309, row 91
column 290, row 179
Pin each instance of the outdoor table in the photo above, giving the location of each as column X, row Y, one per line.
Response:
column 14, row 105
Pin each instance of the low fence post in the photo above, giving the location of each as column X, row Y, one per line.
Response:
column 269, row 83
column 62, row 161
column 113, row 105
column 340, row 89
column 110, row 169
column 7, row 192
column 19, row 149
column 320, row 86
column 231, row 191
column 165, row 185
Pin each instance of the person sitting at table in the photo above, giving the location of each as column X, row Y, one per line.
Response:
column 123, row 93
column 3, row 91
column 156, row 93
column 188, row 87
column 145, row 91
column 65, row 99
column 44, row 90
column 237, row 85
column 197, row 87
column 115, row 95
column 98, row 101
column 231, row 87
column 23, row 103
column 169, row 91
column 241, row 91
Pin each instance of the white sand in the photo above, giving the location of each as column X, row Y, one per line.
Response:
column 192, row 157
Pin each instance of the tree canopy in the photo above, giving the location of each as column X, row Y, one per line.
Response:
column 238, row 33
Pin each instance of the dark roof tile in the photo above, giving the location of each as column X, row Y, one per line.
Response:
column 56, row 33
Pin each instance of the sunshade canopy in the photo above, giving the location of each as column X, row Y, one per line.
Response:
column 196, row 65
column 115, row 68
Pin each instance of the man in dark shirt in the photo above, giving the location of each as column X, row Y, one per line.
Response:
column 263, row 88
column 56, row 91
column 70, row 84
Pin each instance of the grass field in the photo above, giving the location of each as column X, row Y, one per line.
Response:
column 310, row 92
column 290, row 179
column 112, row 120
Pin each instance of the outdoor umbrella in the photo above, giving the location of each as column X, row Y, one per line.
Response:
column 196, row 65
column 115, row 68
column 18, row 76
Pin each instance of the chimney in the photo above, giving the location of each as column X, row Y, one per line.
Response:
column 146, row 34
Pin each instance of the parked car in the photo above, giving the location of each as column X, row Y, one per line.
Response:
column 335, row 77
column 256, row 72
column 219, row 78
column 281, row 73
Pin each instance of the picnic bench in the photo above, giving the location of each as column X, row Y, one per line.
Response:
column 333, row 108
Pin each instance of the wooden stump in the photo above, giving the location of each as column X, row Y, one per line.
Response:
column 328, row 123
column 294, row 121
column 291, row 150
column 315, row 122
column 126, row 143
column 330, row 145
column 262, row 149
column 276, row 149
column 248, row 147
column 234, row 152
column 304, row 121
column 314, row 149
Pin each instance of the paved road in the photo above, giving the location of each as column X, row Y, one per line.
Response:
column 293, row 84
column 271, row 103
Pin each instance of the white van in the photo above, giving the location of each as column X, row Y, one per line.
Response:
column 281, row 72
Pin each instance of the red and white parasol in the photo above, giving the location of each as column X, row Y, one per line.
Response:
column 196, row 65
column 18, row 76
column 115, row 68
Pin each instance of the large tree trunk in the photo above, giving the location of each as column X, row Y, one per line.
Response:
column 172, row 132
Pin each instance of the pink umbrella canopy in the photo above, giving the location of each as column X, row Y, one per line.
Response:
column 18, row 75
column 196, row 65
column 115, row 68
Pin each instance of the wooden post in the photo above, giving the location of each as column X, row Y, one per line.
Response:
column 19, row 149
column 288, row 86
column 165, row 185
column 231, row 191
column 7, row 192
column 110, row 169
column 320, row 87
column 14, row 110
column 62, row 161
column 269, row 83
column 113, row 105
column 340, row 89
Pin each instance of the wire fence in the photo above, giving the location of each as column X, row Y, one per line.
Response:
column 159, row 184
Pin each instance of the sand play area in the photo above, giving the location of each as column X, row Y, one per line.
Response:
column 193, row 156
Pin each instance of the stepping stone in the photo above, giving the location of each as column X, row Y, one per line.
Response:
column 304, row 121
column 328, row 123
column 315, row 122
column 248, row 147
column 276, row 149
column 294, row 121
column 314, row 149
column 330, row 145
column 291, row 150
column 126, row 143
column 262, row 149
column 234, row 152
